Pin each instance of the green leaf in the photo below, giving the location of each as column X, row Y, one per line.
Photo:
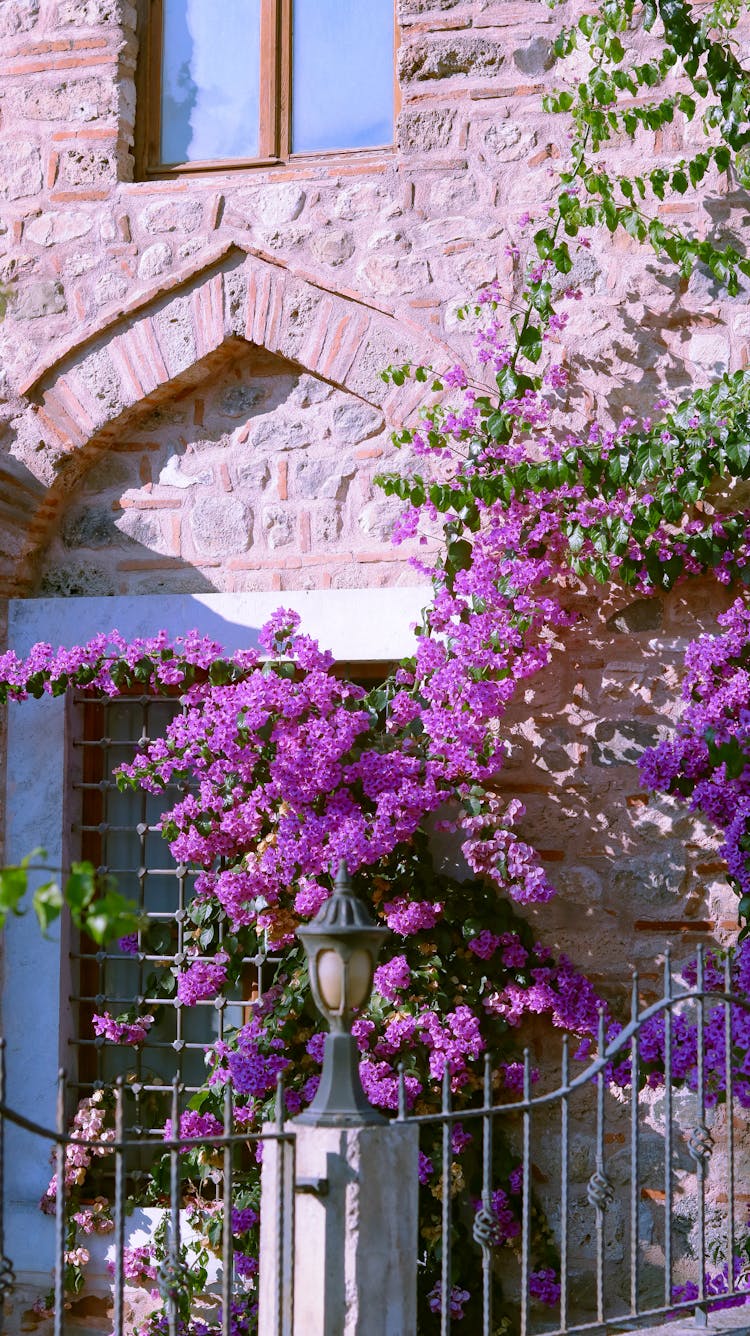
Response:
column 47, row 902
column 13, row 886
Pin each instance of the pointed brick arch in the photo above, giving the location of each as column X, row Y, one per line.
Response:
column 174, row 333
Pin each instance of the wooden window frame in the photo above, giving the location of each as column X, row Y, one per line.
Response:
column 275, row 126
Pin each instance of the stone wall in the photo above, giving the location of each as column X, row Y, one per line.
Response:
column 191, row 401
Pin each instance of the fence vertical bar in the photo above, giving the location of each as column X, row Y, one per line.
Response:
column 729, row 1088
column 445, row 1286
column 526, row 1198
column 600, row 1196
column 487, row 1245
column 59, row 1317
column 173, row 1262
column 6, row 1269
column 668, row 1127
column 226, row 1232
column 698, row 1144
column 634, row 1149
column 564, row 1167
column 118, row 1316
column 281, row 1223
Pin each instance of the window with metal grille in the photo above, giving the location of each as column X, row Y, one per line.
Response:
column 118, row 832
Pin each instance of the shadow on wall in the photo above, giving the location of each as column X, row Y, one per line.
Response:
column 634, row 871
column 258, row 477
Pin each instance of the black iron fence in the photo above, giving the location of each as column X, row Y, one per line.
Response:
column 626, row 1273
column 125, row 1156
column 632, row 1163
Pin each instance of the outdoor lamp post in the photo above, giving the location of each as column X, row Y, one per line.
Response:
column 342, row 944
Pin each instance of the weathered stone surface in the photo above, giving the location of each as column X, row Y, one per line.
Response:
column 645, row 614
column 221, row 526
column 622, row 741
column 92, row 527
column 281, row 435
column 333, row 246
column 507, row 141
column 441, row 58
column 354, row 422
column 95, row 13
column 43, row 296
column 17, row 16
column 327, row 523
column 81, row 99
column 142, row 528
column 279, row 527
column 172, row 215
column 535, row 58
column 20, row 170
column 377, row 520
column 88, row 167
column 53, row 229
column 422, row 131
column 155, row 260
column 313, row 477
column 240, row 400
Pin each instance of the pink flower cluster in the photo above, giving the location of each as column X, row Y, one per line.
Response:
column 131, row 1033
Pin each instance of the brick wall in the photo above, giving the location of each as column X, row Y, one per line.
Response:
column 190, row 392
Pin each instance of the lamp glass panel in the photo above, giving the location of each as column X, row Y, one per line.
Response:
column 330, row 970
column 360, row 978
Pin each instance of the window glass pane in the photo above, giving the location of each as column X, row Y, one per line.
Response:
column 342, row 81
column 210, row 80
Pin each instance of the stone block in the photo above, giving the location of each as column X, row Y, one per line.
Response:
column 40, row 297
column 424, row 131
column 52, row 229
column 77, row 100
column 18, row 16
column 355, row 422
column 172, row 215
column 96, row 13
column 275, row 434
column 221, row 526
column 327, row 523
column 155, row 260
column 88, row 168
column 643, row 614
column 279, row 527
column 20, row 170
column 314, row 477
column 535, row 58
column 239, row 401
column 377, row 519
column 333, row 245
column 444, row 57
column 622, row 741
column 361, row 1280
column 93, row 526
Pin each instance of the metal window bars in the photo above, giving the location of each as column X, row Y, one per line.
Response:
column 119, row 833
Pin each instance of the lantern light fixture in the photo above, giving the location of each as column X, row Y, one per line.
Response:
column 342, row 944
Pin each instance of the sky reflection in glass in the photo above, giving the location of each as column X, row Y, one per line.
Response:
column 342, row 80
column 210, row 80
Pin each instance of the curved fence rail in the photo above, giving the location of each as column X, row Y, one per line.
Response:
column 622, row 1205
column 702, row 1047
column 126, row 1153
